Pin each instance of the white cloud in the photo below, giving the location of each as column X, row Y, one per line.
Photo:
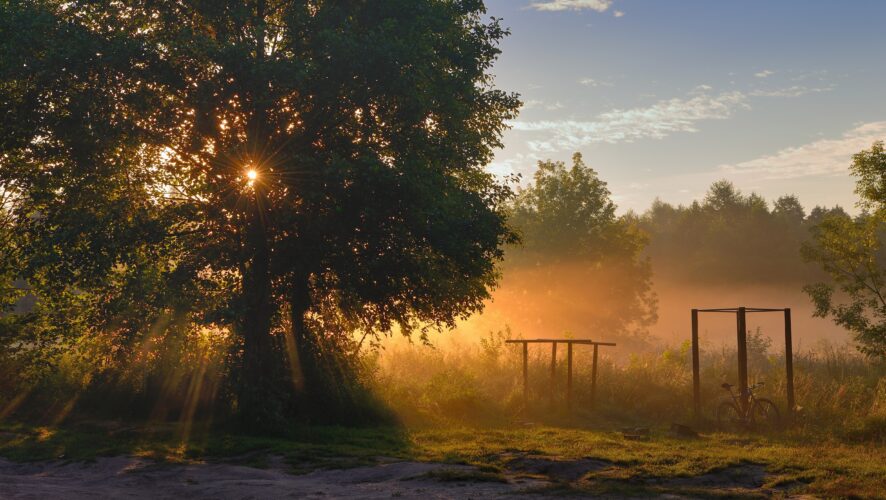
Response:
column 618, row 13
column 590, row 82
column 764, row 74
column 793, row 91
column 821, row 157
column 626, row 125
column 556, row 5
column 535, row 104
column 517, row 164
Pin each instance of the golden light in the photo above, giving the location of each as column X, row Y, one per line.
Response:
column 251, row 176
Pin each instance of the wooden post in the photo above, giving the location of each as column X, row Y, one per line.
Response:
column 742, row 357
column 789, row 361
column 594, row 380
column 569, row 376
column 525, row 374
column 696, row 376
column 553, row 372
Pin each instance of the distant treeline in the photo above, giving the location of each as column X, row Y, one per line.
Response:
column 733, row 237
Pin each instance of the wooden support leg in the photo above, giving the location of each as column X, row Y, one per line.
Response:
column 569, row 376
column 789, row 361
column 553, row 394
column 594, row 380
column 696, row 377
column 742, row 357
column 525, row 374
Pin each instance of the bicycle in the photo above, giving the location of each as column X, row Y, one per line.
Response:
column 756, row 413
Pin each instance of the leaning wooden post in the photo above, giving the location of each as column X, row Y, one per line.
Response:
column 594, row 380
column 569, row 376
column 696, row 377
column 525, row 374
column 553, row 372
column 789, row 361
column 742, row 357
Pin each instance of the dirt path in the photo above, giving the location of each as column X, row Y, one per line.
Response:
column 129, row 477
column 529, row 476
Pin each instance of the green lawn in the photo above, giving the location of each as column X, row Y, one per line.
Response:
column 793, row 464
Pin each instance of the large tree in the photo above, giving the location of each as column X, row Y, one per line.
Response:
column 310, row 166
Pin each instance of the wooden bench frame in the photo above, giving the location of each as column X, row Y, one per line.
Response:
column 569, row 343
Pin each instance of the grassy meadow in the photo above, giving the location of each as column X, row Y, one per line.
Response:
column 463, row 404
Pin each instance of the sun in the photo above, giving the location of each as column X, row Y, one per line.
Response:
column 251, row 176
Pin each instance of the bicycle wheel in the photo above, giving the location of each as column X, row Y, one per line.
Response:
column 729, row 417
column 764, row 415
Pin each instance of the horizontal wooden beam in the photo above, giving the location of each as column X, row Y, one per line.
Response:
column 558, row 341
column 735, row 310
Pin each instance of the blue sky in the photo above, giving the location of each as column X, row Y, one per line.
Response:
column 663, row 97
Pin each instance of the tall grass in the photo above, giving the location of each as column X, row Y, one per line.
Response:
column 837, row 391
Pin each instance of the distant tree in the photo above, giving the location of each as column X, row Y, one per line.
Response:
column 819, row 213
column 729, row 237
column 567, row 215
column 851, row 252
column 279, row 168
column 723, row 195
column 788, row 207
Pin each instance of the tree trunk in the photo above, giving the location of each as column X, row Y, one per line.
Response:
column 331, row 391
column 260, row 404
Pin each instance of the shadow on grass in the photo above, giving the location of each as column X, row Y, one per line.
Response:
column 310, row 447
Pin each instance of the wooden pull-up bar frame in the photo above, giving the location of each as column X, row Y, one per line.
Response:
column 554, row 342
column 741, row 330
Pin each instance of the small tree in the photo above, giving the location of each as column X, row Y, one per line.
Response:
column 851, row 252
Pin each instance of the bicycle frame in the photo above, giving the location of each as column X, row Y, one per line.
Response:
column 746, row 403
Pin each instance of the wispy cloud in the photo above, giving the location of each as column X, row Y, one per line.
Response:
column 590, row 82
column 618, row 13
column 626, row 125
column 537, row 104
column 821, row 157
column 793, row 91
column 556, row 5
column 656, row 121
column 517, row 164
column 764, row 74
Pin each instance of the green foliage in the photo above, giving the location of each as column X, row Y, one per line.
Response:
column 568, row 213
column 731, row 237
column 128, row 138
column 571, row 233
column 869, row 166
column 851, row 252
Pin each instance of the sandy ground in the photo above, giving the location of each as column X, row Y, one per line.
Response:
column 527, row 476
column 130, row 477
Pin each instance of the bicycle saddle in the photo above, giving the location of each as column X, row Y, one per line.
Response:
column 726, row 385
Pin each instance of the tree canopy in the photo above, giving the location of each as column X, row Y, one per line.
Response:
column 271, row 167
column 852, row 253
column 574, row 245
column 732, row 237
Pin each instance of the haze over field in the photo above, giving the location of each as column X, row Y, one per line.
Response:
column 321, row 247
